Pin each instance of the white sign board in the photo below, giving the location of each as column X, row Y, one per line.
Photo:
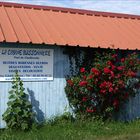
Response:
column 32, row 64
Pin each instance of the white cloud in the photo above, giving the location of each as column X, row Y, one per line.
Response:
column 38, row 2
column 120, row 6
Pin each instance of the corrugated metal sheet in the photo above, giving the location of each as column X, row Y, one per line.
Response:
column 48, row 98
column 62, row 26
column 130, row 110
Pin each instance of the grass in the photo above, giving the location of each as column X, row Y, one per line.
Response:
column 79, row 130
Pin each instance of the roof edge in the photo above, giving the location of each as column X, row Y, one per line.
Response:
column 71, row 10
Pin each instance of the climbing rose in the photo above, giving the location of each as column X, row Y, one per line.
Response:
column 122, row 60
column 90, row 76
column 109, row 63
column 112, row 74
column 84, row 77
column 131, row 73
column 113, row 67
column 104, row 86
column 84, row 99
column 110, row 89
column 103, row 91
column 90, row 88
column 70, row 82
column 115, row 103
column 91, row 110
column 114, row 56
column 107, row 70
column 82, row 70
column 95, row 71
column 118, row 76
column 120, row 67
column 83, row 83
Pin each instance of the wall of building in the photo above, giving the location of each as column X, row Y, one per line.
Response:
column 48, row 97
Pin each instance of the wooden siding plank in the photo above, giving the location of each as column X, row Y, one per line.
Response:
column 49, row 96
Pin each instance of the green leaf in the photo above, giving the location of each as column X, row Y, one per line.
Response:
column 19, row 114
column 24, row 126
column 17, row 110
column 11, row 91
column 12, row 96
column 10, row 103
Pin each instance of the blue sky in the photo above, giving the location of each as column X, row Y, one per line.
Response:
column 119, row 6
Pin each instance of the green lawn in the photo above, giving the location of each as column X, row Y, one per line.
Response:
column 65, row 130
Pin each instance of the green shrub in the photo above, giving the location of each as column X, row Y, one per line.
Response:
column 19, row 114
column 102, row 90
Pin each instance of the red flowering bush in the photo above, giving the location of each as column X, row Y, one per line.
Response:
column 103, row 89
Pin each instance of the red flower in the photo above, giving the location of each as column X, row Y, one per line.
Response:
column 103, row 85
column 90, row 88
column 131, row 63
column 83, row 83
column 121, row 83
column 70, row 82
column 120, row 67
column 82, row 70
column 131, row 73
column 107, row 70
column 95, row 81
column 109, row 84
column 90, row 76
column 84, row 77
column 122, row 60
column 112, row 74
column 115, row 90
column 103, row 91
column 91, row 110
column 114, row 56
column 95, row 71
column 113, row 67
column 118, row 76
column 116, row 103
column 84, row 99
column 110, row 89
column 109, row 63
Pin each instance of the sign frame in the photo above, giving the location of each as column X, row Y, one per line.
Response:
column 33, row 64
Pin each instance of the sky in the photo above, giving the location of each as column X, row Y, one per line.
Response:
column 117, row 6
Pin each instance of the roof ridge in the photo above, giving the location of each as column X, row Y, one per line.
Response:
column 72, row 10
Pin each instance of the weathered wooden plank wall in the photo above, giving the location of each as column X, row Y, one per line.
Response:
column 48, row 98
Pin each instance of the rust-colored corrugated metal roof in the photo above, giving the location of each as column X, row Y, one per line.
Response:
column 64, row 26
